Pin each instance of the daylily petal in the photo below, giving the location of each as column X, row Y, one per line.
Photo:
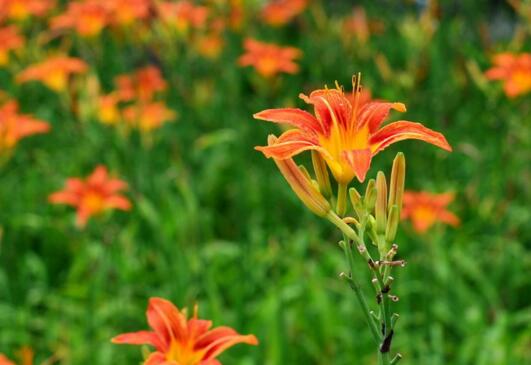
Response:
column 330, row 106
column 166, row 320
column 99, row 176
column 118, row 202
column 360, row 161
column 220, row 339
column 289, row 144
column 449, row 218
column 402, row 130
column 374, row 113
column 138, row 338
column 157, row 358
column 63, row 197
column 295, row 117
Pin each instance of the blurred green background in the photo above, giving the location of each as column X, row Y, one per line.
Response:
column 214, row 223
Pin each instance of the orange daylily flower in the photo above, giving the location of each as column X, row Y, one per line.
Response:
column 10, row 40
column 357, row 25
column 143, row 84
column 345, row 133
column 88, row 18
column 147, row 117
column 182, row 14
column 125, row 12
column 53, row 72
column 22, row 9
column 279, row 12
column 15, row 126
column 514, row 70
column 108, row 111
column 92, row 196
column 5, row 361
column 269, row 59
column 425, row 209
column 179, row 340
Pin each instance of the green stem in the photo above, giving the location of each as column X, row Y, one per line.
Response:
column 341, row 206
column 359, row 294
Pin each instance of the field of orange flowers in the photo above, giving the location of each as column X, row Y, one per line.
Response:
column 176, row 176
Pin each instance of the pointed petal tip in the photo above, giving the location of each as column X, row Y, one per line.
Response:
column 401, row 107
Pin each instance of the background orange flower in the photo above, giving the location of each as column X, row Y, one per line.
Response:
column 269, row 59
column 515, row 72
column 93, row 196
column 424, row 209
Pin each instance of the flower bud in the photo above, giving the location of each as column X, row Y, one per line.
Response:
column 392, row 224
column 321, row 174
column 355, row 199
column 302, row 185
column 370, row 196
column 371, row 230
column 381, row 203
column 398, row 177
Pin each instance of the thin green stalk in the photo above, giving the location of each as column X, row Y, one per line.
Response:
column 359, row 294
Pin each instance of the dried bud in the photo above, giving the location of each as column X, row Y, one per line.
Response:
column 370, row 196
column 381, row 203
column 321, row 174
column 392, row 224
column 398, row 177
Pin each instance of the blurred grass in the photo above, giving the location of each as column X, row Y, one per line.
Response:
column 214, row 223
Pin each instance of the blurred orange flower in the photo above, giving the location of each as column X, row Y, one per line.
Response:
column 179, row 340
column 108, row 111
column 10, row 39
column 15, row 126
column 425, row 209
column 5, row 361
column 269, row 59
column 182, row 14
column 280, row 12
column 147, row 117
column 514, row 70
column 143, row 84
column 54, row 72
column 22, row 9
column 357, row 25
column 87, row 18
column 125, row 12
column 92, row 196
column 345, row 133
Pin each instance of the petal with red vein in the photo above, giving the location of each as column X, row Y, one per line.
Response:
column 295, row 117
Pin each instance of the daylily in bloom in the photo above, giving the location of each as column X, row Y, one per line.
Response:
column 108, row 111
column 22, row 9
column 54, row 72
column 142, row 85
column 514, row 70
column 425, row 209
column 147, row 117
column 182, row 341
column 5, row 361
column 357, row 25
column 279, row 12
column 182, row 14
column 92, row 196
column 346, row 134
column 87, row 18
column 15, row 126
column 269, row 59
column 10, row 40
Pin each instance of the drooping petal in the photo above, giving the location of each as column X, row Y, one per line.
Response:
column 166, row 320
column 289, row 144
column 374, row 113
column 449, row 218
column 331, row 106
column 402, row 130
column 138, row 338
column 360, row 161
column 220, row 339
column 295, row 117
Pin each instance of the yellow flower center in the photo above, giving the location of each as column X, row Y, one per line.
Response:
column 93, row 202
column 184, row 354
column 56, row 80
column 424, row 217
column 523, row 80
